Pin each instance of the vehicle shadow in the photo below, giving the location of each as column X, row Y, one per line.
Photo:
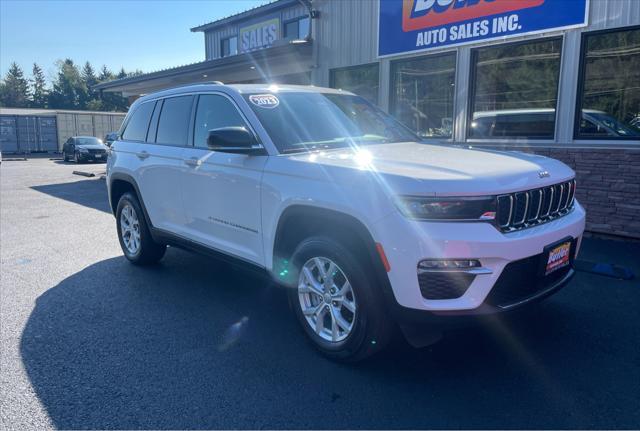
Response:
column 192, row 343
column 90, row 193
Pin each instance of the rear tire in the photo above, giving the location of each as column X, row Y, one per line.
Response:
column 64, row 157
column 133, row 233
column 353, row 321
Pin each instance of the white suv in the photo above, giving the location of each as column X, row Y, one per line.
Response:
column 368, row 227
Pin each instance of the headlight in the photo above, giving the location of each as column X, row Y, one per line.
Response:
column 466, row 208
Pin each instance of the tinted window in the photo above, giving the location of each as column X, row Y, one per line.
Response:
column 362, row 80
column 229, row 46
column 173, row 127
column 291, row 30
column 610, row 98
column 137, row 126
column 422, row 93
column 297, row 29
column 517, row 87
column 214, row 112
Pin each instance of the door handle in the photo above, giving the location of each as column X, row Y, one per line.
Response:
column 142, row 155
column 193, row 161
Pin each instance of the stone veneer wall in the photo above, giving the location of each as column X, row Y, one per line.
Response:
column 608, row 186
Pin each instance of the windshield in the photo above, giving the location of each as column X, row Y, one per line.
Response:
column 88, row 141
column 309, row 121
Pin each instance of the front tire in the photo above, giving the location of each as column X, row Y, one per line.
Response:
column 337, row 301
column 133, row 233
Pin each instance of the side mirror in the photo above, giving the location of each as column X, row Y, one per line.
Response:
column 236, row 140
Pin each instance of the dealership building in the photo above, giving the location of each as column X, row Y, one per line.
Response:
column 554, row 77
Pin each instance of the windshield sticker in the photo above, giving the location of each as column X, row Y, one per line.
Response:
column 268, row 101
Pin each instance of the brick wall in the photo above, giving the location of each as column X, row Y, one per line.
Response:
column 608, row 187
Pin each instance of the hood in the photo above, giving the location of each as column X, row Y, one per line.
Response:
column 92, row 146
column 445, row 170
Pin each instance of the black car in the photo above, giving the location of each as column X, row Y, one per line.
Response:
column 84, row 149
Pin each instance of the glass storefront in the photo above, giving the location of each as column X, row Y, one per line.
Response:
column 609, row 98
column 515, row 90
column 422, row 93
column 361, row 80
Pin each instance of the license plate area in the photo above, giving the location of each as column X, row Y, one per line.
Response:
column 557, row 256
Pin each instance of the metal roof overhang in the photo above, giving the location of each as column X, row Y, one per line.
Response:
column 266, row 65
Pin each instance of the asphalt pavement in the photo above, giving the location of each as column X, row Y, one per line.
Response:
column 90, row 341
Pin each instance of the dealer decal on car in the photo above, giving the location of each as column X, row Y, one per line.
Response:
column 264, row 100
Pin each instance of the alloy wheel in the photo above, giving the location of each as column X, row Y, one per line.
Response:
column 327, row 299
column 130, row 229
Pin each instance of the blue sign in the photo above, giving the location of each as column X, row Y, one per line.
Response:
column 419, row 25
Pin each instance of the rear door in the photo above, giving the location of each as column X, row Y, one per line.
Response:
column 153, row 142
column 222, row 190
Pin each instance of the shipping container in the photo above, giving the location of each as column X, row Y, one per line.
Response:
column 42, row 130
column 28, row 133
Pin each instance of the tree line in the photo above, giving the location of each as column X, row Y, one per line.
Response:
column 71, row 88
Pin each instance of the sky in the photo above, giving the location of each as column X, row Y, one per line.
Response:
column 138, row 34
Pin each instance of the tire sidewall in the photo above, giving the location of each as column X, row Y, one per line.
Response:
column 360, row 284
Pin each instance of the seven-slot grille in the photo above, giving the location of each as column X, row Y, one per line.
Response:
column 532, row 207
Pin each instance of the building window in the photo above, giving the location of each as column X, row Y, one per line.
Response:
column 229, row 46
column 422, row 93
column 515, row 90
column 296, row 29
column 361, row 80
column 609, row 96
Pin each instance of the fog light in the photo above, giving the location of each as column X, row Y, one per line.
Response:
column 448, row 264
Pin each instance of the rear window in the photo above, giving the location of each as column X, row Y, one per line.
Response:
column 173, row 127
column 136, row 129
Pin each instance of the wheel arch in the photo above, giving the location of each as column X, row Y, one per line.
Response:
column 301, row 221
column 121, row 183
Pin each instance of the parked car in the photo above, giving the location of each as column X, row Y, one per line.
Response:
column 110, row 138
column 540, row 123
column 363, row 224
column 84, row 149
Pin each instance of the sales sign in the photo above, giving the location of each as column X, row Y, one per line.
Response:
column 419, row 25
column 260, row 35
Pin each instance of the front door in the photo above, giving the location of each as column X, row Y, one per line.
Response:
column 221, row 191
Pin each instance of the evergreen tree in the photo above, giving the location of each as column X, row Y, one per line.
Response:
column 105, row 74
column 14, row 89
column 122, row 73
column 89, row 79
column 112, row 101
column 39, row 91
column 69, row 89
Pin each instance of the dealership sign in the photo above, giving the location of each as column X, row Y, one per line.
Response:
column 419, row 25
column 260, row 35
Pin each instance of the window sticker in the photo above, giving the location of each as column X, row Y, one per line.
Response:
column 268, row 101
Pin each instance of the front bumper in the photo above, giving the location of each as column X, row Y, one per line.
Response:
column 407, row 242
column 90, row 157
